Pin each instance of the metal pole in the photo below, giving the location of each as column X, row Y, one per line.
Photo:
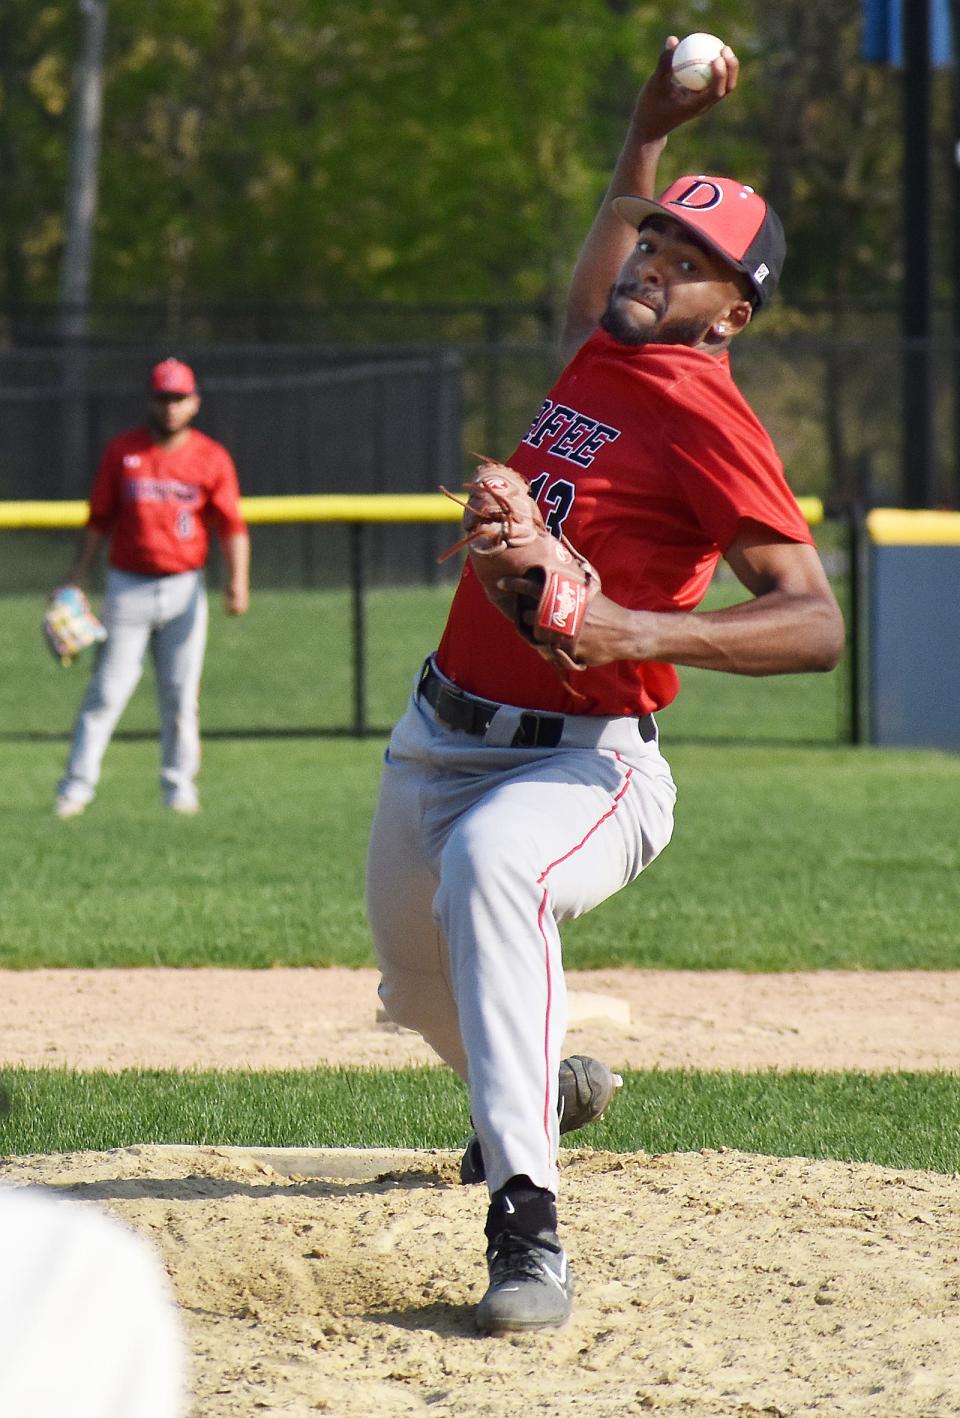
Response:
column 357, row 583
column 81, row 201
column 955, row 312
column 918, row 471
column 855, row 531
column 75, row 266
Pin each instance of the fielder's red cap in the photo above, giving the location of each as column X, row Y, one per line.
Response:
column 170, row 376
column 730, row 217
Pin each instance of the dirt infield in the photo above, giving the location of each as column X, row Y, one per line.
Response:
column 708, row 1283
column 828, row 1019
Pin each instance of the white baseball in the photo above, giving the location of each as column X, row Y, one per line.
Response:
column 692, row 59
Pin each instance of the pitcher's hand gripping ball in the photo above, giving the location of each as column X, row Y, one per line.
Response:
column 692, row 62
column 69, row 625
column 508, row 540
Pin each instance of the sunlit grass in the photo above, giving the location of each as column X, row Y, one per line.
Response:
column 893, row 1120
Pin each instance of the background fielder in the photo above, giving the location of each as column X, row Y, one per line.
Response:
column 509, row 803
column 157, row 492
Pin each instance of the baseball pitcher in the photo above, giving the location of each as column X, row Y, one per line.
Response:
column 526, row 782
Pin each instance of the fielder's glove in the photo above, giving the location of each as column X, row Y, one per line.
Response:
column 69, row 625
column 507, row 539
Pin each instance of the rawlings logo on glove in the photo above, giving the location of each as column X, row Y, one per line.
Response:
column 69, row 625
column 508, row 540
column 563, row 604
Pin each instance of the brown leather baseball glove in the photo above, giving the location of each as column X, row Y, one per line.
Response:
column 506, row 538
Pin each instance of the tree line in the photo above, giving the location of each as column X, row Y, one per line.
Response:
column 432, row 150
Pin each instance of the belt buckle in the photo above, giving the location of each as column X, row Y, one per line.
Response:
column 456, row 710
column 538, row 730
column 448, row 708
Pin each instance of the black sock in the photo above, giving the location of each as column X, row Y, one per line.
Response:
column 521, row 1207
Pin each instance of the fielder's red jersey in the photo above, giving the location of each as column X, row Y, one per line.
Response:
column 650, row 460
column 157, row 504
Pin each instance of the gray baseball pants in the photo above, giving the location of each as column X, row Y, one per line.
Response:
column 478, row 851
column 168, row 615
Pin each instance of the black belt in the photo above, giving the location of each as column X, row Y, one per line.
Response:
column 459, row 710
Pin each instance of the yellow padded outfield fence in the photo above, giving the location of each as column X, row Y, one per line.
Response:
column 893, row 526
column 42, row 516
column 262, row 511
column 267, row 511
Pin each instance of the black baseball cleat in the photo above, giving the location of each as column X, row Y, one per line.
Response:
column 586, row 1088
column 531, row 1285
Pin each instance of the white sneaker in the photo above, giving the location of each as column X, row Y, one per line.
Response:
column 186, row 807
column 69, row 807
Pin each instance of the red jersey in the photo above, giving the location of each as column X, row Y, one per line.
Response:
column 650, row 460
column 157, row 504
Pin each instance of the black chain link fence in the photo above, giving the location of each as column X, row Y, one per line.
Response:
column 395, row 399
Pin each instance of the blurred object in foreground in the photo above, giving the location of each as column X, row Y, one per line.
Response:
column 87, row 1321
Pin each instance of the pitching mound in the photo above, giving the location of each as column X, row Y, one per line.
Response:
column 708, row 1283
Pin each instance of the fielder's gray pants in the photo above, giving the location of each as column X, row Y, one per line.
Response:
column 478, row 851
column 168, row 615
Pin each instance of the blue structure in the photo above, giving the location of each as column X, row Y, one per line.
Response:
column 883, row 32
column 914, row 631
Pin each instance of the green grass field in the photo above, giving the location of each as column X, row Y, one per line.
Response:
column 893, row 1120
column 786, row 856
column 287, row 666
column 782, row 859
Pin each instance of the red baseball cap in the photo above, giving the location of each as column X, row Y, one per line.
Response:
column 730, row 217
column 172, row 377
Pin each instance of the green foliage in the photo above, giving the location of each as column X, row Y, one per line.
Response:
column 35, row 44
column 328, row 149
column 907, row 1120
column 438, row 150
